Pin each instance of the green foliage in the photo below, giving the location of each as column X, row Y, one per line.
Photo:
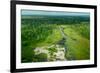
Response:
column 38, row 31
column 52, row 49
column 26, row 54
column 77, row 43
column 83, row 29
column 42, row 57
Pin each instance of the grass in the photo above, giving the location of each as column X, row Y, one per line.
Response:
column 78, row 45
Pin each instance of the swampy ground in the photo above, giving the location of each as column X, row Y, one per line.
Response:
column 55, row 38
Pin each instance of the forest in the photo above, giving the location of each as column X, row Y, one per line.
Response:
column 47, row 38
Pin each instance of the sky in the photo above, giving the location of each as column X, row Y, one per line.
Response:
column 53, row 13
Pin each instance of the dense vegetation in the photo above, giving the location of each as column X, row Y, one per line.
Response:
column 39, row 31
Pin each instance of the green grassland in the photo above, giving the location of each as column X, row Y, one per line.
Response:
column 39, row 31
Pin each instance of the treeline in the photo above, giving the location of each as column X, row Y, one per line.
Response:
column 54, row 19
